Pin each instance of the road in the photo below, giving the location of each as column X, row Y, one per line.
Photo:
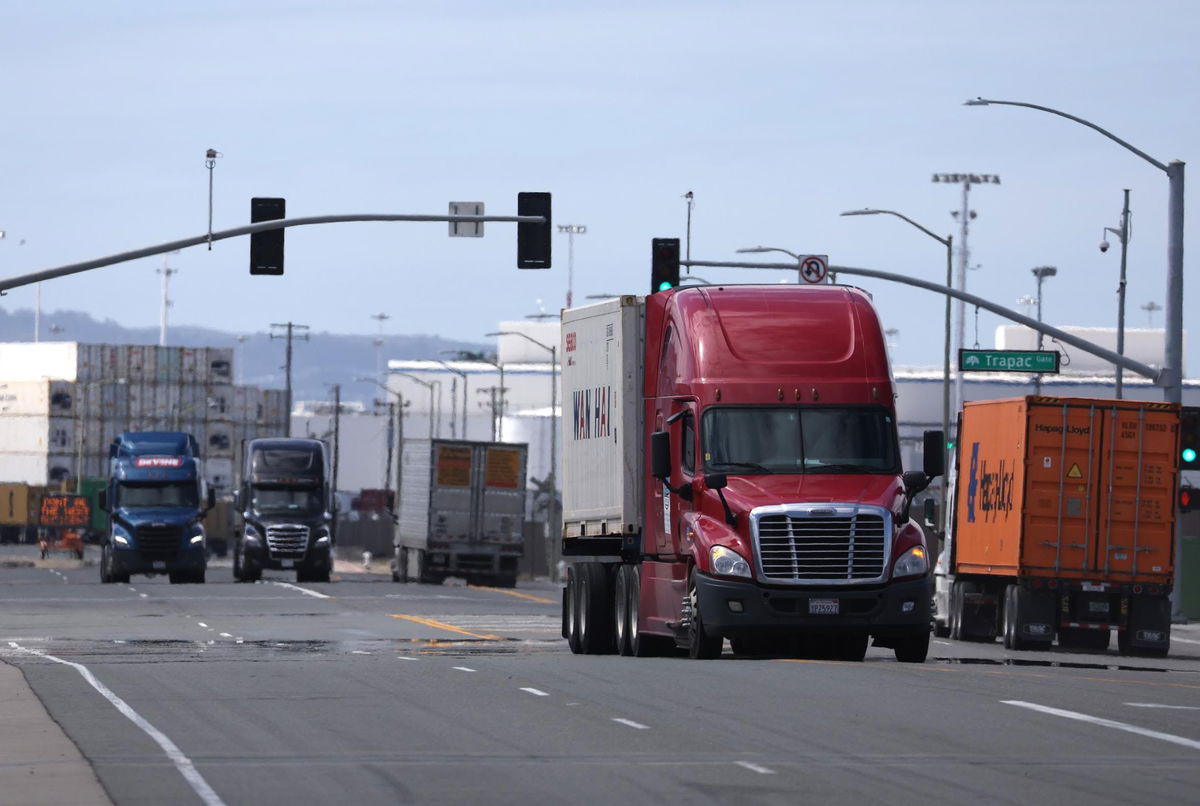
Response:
column 365, row 691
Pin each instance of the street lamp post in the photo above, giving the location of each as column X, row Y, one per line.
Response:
column 947, row 242
column 1172, row 371
column 400, row 405
column 1122, row 234
column 462, row 375
column 553, row 514
column 571, row 230
column 428, row 385
column 798, row 258
column 1041, row 273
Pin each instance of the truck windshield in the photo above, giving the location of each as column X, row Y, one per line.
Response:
column 132, row 495
column 793, row 439
column 286, row 499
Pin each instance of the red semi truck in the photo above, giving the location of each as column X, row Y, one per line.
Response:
column 732, row 471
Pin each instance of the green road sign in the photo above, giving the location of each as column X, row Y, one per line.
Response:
column 1008, row 360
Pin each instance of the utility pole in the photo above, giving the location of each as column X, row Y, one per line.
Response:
column 380, row 318
column 166, row 272
column 964, row 216
column 1122, row 234
column 337, row 411
column 571, row 230
column 290, row 328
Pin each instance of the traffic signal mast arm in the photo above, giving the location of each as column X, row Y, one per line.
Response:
column 122, row 257
column 1144, row 370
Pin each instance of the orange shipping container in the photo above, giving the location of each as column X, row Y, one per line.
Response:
column 1067, row 488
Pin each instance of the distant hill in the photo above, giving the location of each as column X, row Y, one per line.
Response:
column 326, row 358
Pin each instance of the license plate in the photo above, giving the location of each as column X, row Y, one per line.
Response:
column 824, row 607
column 1098, row 607
column 160, row 565
column 287, row 563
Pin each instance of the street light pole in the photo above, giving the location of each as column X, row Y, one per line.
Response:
column 1172, row 371
column 428, row 385
column 1123, row 236
column 947, row 242
column 572, row 230
column 401, row 404
column 462, row 375
column 1041, row 273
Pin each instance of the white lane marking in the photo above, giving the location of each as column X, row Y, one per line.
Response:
column 202, row 624
column 225, row 635
column 359, row 652
column 1160, row 705
column 1107, row 723
column 464, row 669
column 535, row 692
column 404, row 657
column 305, row 591
column 943, row 643
column 1184, row 640
column 144, row 595
column 182, row 763
column 758, row 768
column 631, row 723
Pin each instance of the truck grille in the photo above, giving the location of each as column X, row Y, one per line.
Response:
column 287, row 540
column 159, row 542
column 822, row 544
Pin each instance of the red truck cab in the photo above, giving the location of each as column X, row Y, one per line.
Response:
column 775, row 508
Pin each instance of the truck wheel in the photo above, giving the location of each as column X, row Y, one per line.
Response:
column 571, row 610
column 595, row 610
column 701, row 645
column 197, row 577
column 853, row 646
column 400, row 565
column 177, row 577
column 912, row 648
column 105, row 565
column 956, row 606
column 238, row 576
column 621, row 609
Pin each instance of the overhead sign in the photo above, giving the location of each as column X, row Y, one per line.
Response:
column 814, row 268
column 1008, row 361
column 466, row 229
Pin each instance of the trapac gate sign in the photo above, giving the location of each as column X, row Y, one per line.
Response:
column 1008, row 361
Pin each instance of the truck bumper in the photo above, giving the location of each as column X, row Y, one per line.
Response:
column 736, row 608
column 316, row 558
column 472, row 562
column 131, row 561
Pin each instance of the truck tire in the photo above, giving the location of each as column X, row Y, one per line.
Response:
column 643, row 644
column 853, row 646
column 621, row 609
column 956, row 606
column 1146, row 613
column 1015, row 613
column 595, row 612
column 571, row 610
column 106, row 577
column 701, row 645
column 912, row 648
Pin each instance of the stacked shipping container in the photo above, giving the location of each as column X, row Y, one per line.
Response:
column 62, row 403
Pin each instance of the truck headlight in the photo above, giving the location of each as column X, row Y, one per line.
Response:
column 253, row 536
column 322, row 537
column 198, row 535
column 120, row 537
column 913, row 562
column 727, row 562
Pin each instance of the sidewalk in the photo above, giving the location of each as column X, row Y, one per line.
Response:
column 38, row 763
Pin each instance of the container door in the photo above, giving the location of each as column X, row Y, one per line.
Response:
column 1136, row 513
column 450, row 516
column 1064, row 460
column 501, row 497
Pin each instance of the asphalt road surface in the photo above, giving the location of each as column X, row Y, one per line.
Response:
column 364, row 691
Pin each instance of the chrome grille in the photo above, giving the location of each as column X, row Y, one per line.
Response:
column 287, row 540
column 159, row 541
column 825, row 544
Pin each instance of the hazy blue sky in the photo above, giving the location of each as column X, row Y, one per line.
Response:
column 778, row 115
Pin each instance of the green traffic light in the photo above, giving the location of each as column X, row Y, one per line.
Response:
column 664, row 286
column 1189, row 455
column 950, row 445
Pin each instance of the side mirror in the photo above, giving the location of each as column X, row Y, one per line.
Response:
column 915, row 481
column 660, row 454
column 716, row 481
column 102, row 500
column 935, row 454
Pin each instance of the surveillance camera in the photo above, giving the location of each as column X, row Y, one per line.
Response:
column 1104, row 246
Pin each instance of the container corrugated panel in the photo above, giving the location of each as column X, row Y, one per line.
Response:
column 221, row 401
column 188, row 365
column 167, row 365
column 1068, row 488
column 23, row 361
column 416, row 476
column 14, row 504
column 137, row 362
column 601, row 418
column 24, row 434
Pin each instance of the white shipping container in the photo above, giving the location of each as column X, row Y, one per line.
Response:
column 141, row 400
column 137, row 361
column 601, row 417
column 188, row 365
column 168, row 363
column 218, row 439
column 29, row 433
column 37, row 397
column 220, row 364
column 219, row 473
column 221, row 401
column 23, row 361
column 166, row 400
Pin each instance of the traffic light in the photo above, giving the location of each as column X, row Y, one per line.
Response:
column 533, row 240
column 1189, row 438
column 1189, row 499
column 664, row 264
column 266, row 248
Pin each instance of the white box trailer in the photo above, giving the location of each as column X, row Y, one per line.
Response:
column 461, row 511
column 601, row 422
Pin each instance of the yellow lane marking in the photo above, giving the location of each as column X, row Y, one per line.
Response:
column 441, row 625
column 518, row 594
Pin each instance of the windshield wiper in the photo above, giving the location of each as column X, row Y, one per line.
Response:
column 751, row 465
column 843, row 468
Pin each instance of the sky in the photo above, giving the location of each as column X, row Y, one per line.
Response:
column 777, row 116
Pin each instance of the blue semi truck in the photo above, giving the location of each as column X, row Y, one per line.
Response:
column 156, row 499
